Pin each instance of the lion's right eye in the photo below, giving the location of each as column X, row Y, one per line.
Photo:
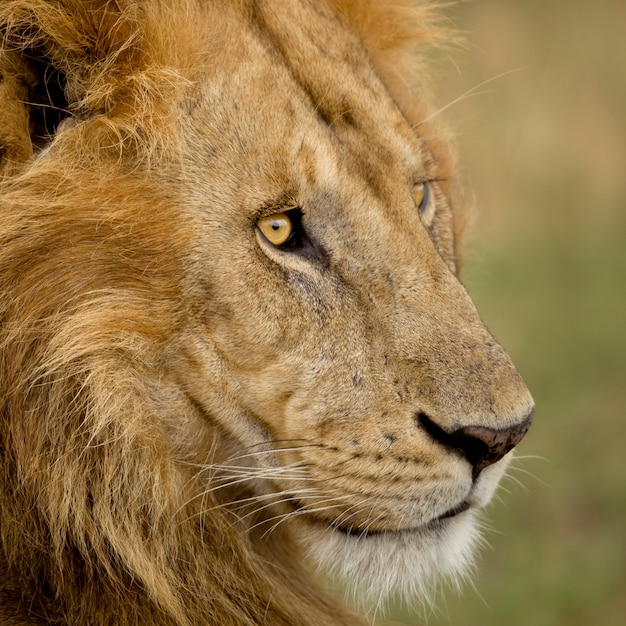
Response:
column 421, row 196
column 277, row 228
column 424, row 203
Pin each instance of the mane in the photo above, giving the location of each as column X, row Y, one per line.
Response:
column 121, row 64
column 401, row 36
column 100, row 490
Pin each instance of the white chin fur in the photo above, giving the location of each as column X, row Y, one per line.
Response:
column 407, row 565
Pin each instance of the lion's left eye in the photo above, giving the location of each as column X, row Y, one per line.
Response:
column 277, row 228
column 421, row 196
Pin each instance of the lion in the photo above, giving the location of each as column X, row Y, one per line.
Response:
column 235, row 350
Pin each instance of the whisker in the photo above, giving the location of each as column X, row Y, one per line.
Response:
column 275, row 498
column 282, row 518
column 254, row 454
column 371, row 521
column 254, row 472
column 226, row 482
column 300, row 512
column 470, row 93
column 525, row 472
column 351, row 511
column 523, row 457
column 287, row 496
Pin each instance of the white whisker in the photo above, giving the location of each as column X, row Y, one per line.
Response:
column 470, row 93
column 301, row 512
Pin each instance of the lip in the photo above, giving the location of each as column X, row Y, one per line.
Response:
column 456, row 510
column 355, row 531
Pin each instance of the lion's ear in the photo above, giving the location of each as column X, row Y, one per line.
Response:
column 15, row 128
column 48, row 52
column 15, row 139
column 32, row 104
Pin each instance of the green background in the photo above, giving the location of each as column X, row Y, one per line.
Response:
column 543, row 151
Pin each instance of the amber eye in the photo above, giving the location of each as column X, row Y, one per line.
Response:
column 277, row 228
column 421, row 196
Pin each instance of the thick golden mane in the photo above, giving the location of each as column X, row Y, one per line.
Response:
column 124, row 62
column 109, row 512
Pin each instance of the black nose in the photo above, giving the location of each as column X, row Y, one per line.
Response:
column 480, row 445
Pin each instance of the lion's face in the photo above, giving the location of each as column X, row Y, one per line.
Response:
column 230, row 315
column 328, row 334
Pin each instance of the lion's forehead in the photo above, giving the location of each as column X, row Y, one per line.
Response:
column 303, row 107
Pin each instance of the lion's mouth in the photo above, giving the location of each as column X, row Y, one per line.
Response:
column 358, row 531
column 456, row 510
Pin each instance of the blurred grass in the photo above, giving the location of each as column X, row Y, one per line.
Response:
column 543, row 148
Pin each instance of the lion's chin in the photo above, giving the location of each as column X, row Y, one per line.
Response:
column 408, row 564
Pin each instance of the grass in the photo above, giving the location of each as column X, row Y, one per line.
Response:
column 545, row 152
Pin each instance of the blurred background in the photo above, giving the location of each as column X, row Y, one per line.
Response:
column 542, row 140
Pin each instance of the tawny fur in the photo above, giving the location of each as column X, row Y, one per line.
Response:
column 156, row 375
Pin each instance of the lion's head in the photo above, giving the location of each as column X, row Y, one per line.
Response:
column 234, row 343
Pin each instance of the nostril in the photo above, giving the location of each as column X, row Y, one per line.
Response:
column 484, row 446
column 480, row 445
